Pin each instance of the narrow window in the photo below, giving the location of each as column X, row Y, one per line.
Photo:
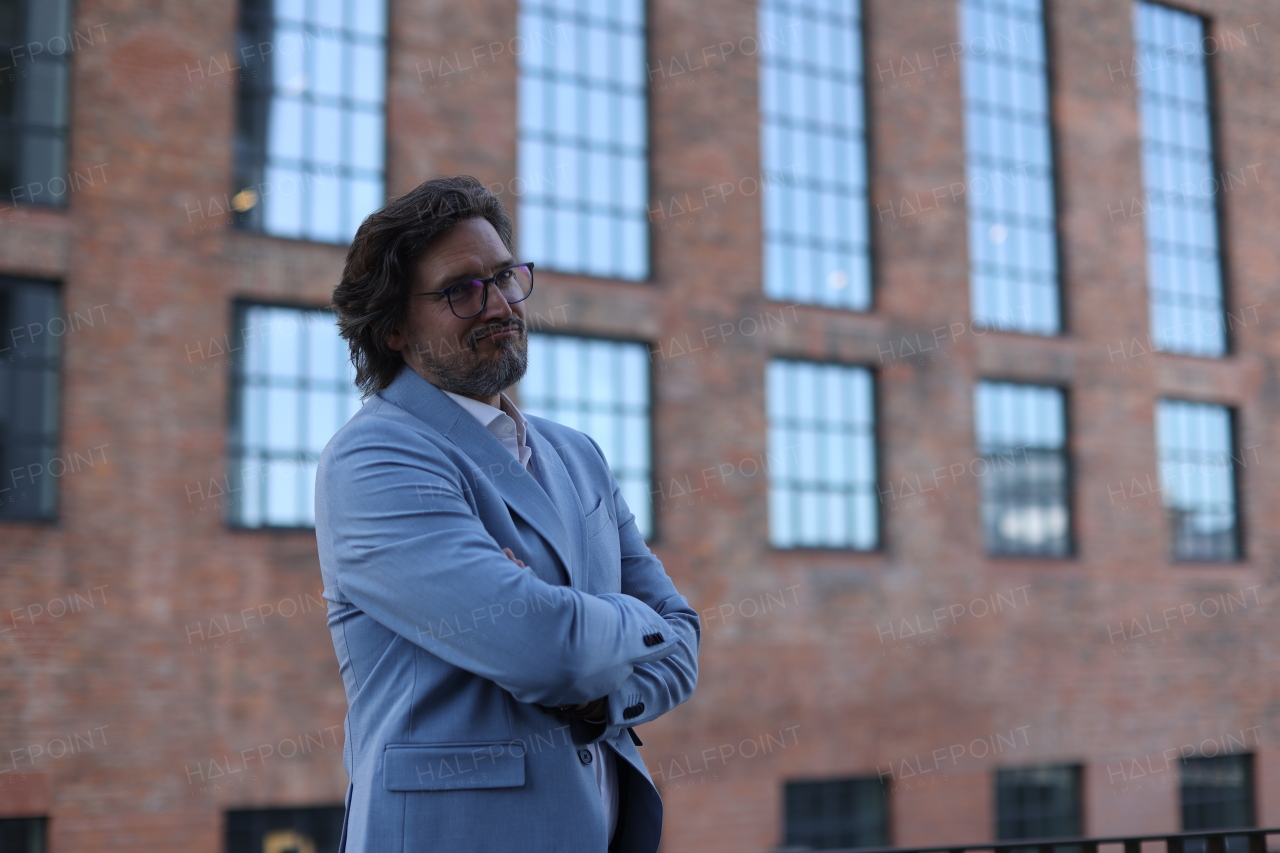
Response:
column 835, row 814
column 600, row 387
column 1013, row 258
column 1184, row 274
column 1022, row 439
column 1197, row 478
column 31, row 333
column 309, row 146
column 583, row 153
column 292, row 389
column 814, row 151
column 822, row 457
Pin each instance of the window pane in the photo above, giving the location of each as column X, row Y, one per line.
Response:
column 1183, row 269
column 1217, row 793
column 813, row 149
column 821, row 433
column 834, row 814
column 1013, row 266
column 583, row 141
column 294, row 389
column 1038, row 802
column 602, row 388
column 1021, row 432
column 311, row 117
column 32, row 325
column 1197, row 479
column 297, row 829
column 24, row 834
column 34, row 104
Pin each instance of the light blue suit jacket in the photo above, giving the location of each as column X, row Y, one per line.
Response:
column 448, row 649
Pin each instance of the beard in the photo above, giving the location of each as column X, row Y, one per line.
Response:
column 465, row 371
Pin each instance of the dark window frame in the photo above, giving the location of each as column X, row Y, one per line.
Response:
column 1072, row 550
column 31, row 832
column 244, row 829
column 1234, row 453
column 1248, row 802
column 52, row 433
column 61, row 134
column 256, row 92
column 584, row 213
column 654, row 482
column 235, row 454
column 860, row 248
column 1006, row 826
column 1212, row 82
column 1054, row 230
column 876, row 437
column 857, row 789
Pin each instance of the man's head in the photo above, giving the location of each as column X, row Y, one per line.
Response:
column 446, row 231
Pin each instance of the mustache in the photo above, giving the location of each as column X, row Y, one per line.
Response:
column 493, row 328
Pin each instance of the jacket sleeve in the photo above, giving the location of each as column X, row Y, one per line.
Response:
column 431, row 572
column 654, row 687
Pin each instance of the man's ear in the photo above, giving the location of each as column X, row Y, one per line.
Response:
column 396, row 340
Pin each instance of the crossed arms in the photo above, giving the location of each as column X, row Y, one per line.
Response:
column 410, row 567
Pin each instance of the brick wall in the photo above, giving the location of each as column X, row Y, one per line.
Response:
column 798, row 679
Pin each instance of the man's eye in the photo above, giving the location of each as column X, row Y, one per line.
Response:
column 506, row 275
column 462, row 288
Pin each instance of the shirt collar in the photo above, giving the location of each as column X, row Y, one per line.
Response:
column 486, row 414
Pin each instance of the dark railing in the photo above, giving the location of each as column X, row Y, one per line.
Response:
column 1244, row 840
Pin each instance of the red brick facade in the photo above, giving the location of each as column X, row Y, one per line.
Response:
column 799, row 678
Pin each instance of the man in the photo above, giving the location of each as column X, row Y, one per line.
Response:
column 499, row 622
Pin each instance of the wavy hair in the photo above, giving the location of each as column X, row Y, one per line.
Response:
column 372, row 299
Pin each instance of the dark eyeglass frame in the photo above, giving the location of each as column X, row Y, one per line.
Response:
column 484, row 283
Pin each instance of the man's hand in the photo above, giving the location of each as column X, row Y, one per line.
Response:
column 593, row 710
column 514, row 558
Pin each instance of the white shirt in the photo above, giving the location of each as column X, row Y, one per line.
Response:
column 509, row 427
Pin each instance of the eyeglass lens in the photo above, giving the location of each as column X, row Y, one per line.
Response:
column 514, row 284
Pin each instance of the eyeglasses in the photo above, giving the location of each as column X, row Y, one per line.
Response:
column 468, row 298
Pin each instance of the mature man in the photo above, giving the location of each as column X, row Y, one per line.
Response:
column 499, row 622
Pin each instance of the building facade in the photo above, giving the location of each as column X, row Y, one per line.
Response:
column 933, row 343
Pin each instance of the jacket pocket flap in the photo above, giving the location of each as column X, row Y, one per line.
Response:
column 596, row 519
column 453, row 766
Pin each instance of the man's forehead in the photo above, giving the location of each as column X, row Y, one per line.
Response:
column 470, row 247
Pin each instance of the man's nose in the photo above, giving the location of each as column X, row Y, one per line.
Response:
column 496, row 306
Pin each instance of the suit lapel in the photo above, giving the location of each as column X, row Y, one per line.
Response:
column 516, row 485
column 559, row 487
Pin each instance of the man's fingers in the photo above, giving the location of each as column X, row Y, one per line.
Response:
column 514, row 558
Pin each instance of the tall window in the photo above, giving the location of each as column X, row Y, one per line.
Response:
column 813, row 144
column 1197, row 479
column 1013, row 258
column 821, row 457
column 600, row 387
column 23, row 834
column 1184, row 277
column 837, row 813
column 1038, row 802
column 31, row 331
column 36, row 41
column 1217, row 793
column 309, row 148
column 289, row 830
column 1022, row 438
column 584, row 138
column 292, row 389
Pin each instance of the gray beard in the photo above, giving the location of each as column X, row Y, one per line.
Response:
column 460, row 374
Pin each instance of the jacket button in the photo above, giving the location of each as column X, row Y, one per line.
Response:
column 633, row 711
column 653, row 639
column 584, row 755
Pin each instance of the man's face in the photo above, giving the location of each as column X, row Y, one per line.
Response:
column 477, row 357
